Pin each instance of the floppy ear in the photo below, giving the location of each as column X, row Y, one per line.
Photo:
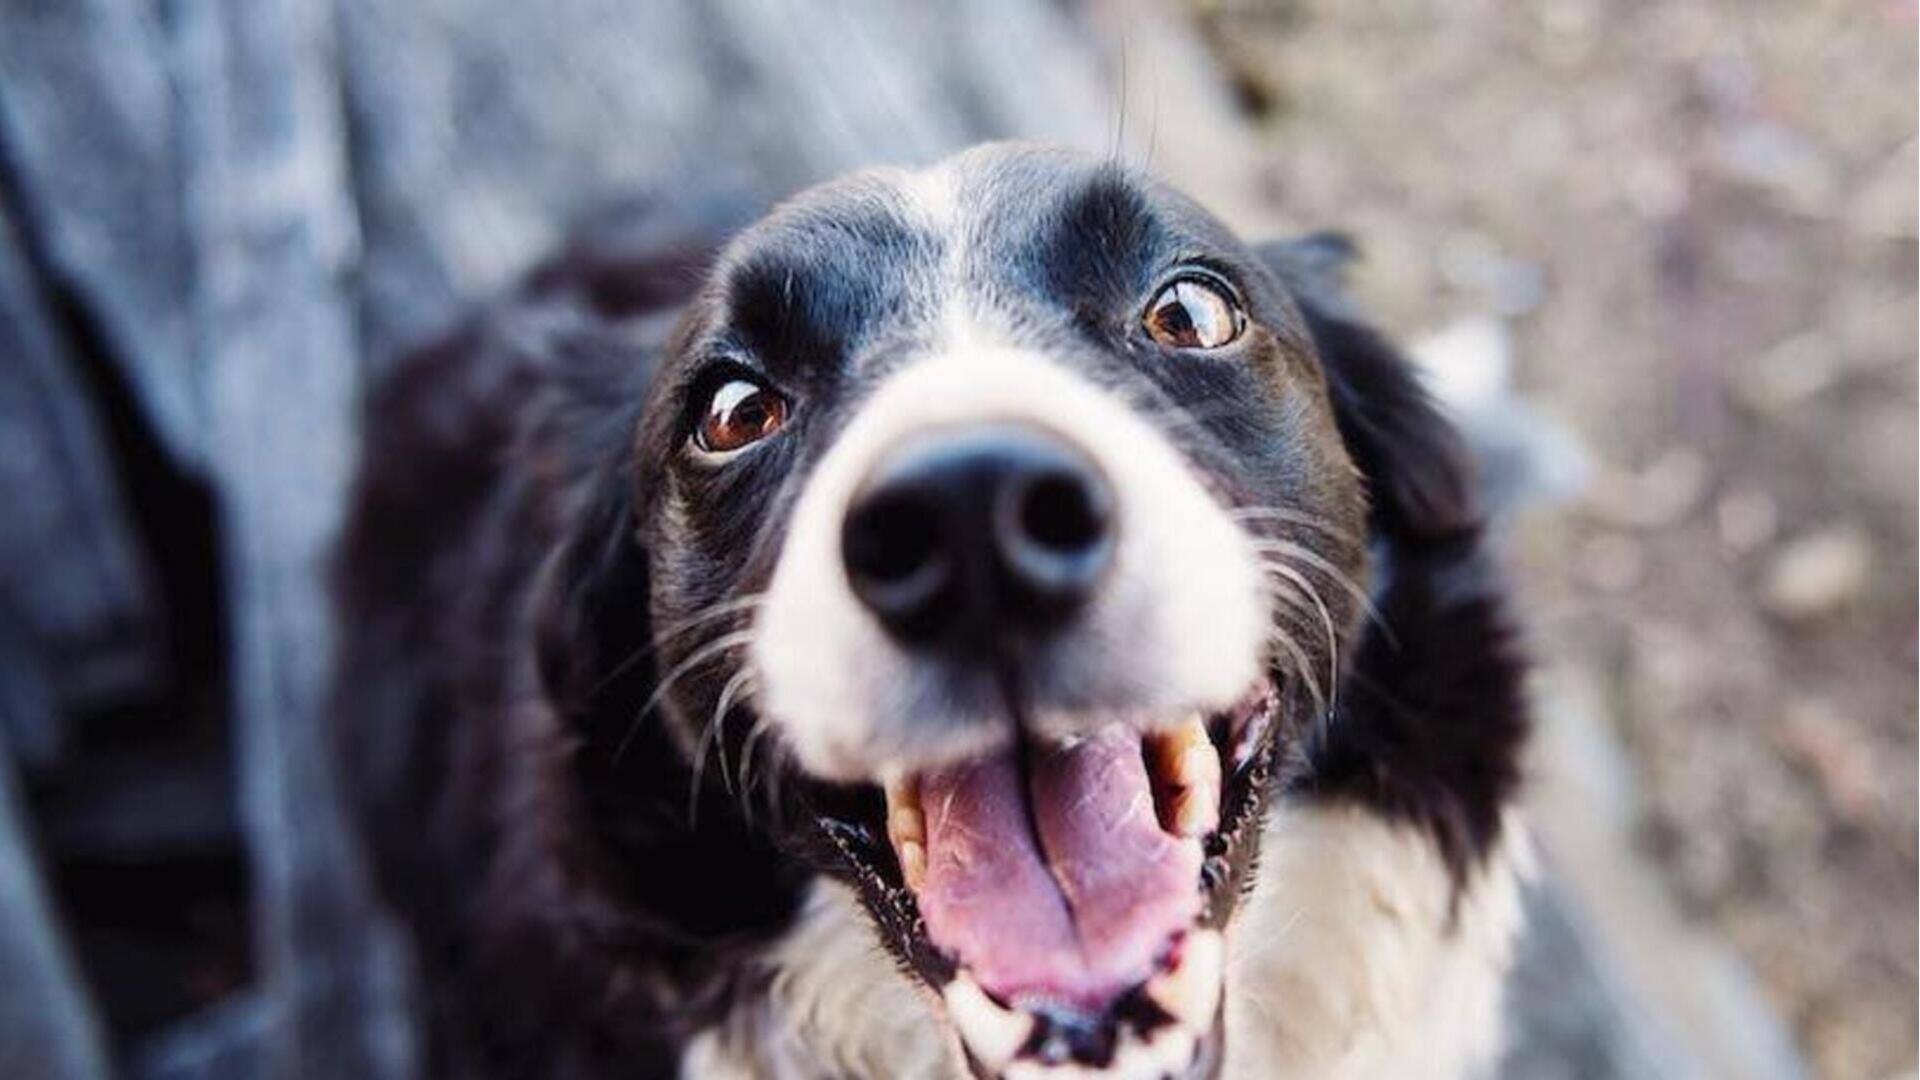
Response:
column 1431, row 718
column 592, row 636
column 1417, row 467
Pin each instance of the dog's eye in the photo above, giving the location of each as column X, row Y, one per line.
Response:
column 738, row 413
column 1192, row 313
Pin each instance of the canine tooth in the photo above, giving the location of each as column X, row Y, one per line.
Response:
column 907, row 829
column 903, row 794
column 992, row 1033
column 1186, row 762
column 1191, row 991
column 906, row 823
column 913, row 863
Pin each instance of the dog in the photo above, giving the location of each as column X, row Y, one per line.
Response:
column 984, row 619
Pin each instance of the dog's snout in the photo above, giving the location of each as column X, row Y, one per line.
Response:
column 968, row 537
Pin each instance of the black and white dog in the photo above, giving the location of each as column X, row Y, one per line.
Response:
column 983, row 618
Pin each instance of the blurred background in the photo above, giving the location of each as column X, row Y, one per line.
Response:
column 1658, row 257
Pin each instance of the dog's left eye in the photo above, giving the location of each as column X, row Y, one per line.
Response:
column 737, row 414
column 1193, row 313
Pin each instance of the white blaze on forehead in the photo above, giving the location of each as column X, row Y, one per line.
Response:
column 932, row 194
column 933, row 201
column 1179, row 624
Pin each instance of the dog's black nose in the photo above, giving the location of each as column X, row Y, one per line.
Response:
column 968, row 538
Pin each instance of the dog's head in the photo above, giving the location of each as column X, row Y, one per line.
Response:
column 1004, row 537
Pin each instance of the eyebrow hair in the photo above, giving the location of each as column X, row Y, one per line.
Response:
column 1098, row 240
column 811, row 288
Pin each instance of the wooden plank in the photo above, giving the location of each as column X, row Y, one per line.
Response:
column 274, row 321
column 74, row 585
column 47, row 1025
column 87, row 124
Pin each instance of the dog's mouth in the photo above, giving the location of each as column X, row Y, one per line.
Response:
column 1067, row 900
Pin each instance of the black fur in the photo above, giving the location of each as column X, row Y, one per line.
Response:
column 1433, row 714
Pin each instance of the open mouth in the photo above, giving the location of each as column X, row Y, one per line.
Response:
column 1068, row 900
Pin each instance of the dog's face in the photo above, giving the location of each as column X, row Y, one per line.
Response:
column 998, row 518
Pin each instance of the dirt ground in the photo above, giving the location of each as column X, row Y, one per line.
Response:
column 1698, row 220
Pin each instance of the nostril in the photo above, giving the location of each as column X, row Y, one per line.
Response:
column 891, row 539
column 1059, row 512
column 1053, row 537
column 897, row 561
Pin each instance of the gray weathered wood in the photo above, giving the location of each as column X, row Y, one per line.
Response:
column 47, row 1025
column 481, row 129
column 274, row 324
column 74, row 587
column 89, row 130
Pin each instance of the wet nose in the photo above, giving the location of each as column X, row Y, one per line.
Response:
column 970, row 537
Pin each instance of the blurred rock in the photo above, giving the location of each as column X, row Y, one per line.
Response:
column 1818, row 574
column 1779, row 161
column 1748, row 519
column 1612, row 563
column 1655, row 498
column 1789, row 374
column 1882, row 207
column 1840, row 764
column 1471, row 262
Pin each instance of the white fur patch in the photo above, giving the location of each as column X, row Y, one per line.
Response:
column 1347, row 961
column 836, row 1006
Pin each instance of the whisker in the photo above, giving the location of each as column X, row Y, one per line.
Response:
column 699, row 618
column 1305, row 668
column 704, row 653
column 721, row 707
column 1269, row 546
column 754, row 735
column 700, row 751
column 1294, row 577
column 1291, row 516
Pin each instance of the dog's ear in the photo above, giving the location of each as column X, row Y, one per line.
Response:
column 1431, row 716
column 592, row 632
column 1417, row 467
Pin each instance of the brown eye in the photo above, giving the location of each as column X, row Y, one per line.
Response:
column 1192, row 313
column 739, row 413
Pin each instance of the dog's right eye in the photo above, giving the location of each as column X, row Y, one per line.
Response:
column 737, row 414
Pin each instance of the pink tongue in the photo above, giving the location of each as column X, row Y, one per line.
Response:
column 1079, row 919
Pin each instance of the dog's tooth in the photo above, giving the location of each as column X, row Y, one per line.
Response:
column 907, row 829
column 1190, row 992
column 992, row 1033
column 1195, row 813
column 1168, row 751
column 913, row 863
column 1188, row 765
column 903, row 792
column 906, row 823
column 1197, row 810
